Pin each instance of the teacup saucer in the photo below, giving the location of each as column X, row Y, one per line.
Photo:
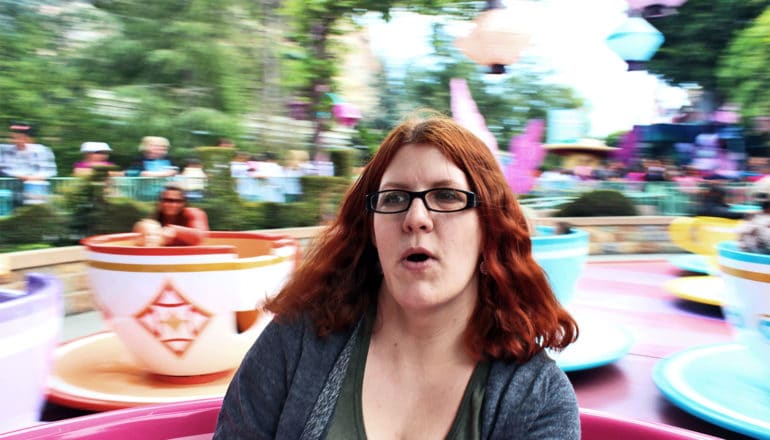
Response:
column 719, row 383
column 705, row 289
column 97, row 373
column 598, row 344
column 693, row 263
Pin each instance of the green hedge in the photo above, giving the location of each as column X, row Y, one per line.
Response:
column 599, row 203
column 343, row 161
column 40, row 224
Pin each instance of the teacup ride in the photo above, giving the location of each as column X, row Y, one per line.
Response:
column 728, row 384
column 563, row 258
column 30, row 328
column 181, row 318
column 197, row 420
column 699, row 236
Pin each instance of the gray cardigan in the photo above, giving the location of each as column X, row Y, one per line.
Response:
column 288, row 383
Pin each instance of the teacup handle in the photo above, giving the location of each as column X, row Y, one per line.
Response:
column 245, row 319
column 250, row 323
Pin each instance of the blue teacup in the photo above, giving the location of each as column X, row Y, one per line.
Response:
column 563, row 258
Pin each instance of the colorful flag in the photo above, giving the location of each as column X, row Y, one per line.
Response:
column 528, row 154
column 465, row 112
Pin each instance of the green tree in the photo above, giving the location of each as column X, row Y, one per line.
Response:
column 312, row 59
column 743, row 71
column 696, row 39
column 36, row 83
column 179, row 46
column 182, row 69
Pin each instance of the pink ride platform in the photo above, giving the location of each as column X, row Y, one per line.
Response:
column 197, row 420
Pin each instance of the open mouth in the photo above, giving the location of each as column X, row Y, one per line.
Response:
column 417, row 258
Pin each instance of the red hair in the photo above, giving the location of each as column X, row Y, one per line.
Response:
column 516, row 314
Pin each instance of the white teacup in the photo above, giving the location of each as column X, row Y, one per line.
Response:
column 747, row 298
column 192, row 310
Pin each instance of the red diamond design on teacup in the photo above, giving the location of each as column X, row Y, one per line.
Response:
column 173, row 320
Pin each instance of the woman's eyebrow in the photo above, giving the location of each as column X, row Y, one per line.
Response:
column 443, row 183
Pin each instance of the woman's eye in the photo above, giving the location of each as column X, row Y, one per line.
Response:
column 447, row 195
column 393, row 198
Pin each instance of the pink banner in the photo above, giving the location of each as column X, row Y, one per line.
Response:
column 465, row 112
column 528, row 154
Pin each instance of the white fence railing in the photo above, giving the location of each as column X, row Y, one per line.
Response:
column 662, row 198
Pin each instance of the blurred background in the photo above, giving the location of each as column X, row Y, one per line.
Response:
column 639, row 80
column 196, row 71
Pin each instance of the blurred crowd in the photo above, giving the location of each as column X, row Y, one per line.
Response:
column 33, row 164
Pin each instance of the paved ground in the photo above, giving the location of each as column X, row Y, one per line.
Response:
column 82, row 324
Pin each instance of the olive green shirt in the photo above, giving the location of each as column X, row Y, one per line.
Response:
column 348, row 419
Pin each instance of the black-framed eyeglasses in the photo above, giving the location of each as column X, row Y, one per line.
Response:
column 393, row 201
column 170, row 200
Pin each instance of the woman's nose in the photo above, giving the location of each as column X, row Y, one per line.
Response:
column 418, row 216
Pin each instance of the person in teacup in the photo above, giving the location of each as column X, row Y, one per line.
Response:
column 181, row 225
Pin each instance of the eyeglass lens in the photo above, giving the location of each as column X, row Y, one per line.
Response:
column 437, row 199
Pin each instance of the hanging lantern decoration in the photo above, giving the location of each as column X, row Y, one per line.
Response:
column 346, row 114
column 342, row 112
column 635, row 41
column 499, row 36
column 655, row 8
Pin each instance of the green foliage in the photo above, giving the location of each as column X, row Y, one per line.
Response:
column 315, row 187
column 36, row 85
column 599, row 203
column 215, row 157
column 284, row 215
column 220, row 201
column 251, row 216
column 34, row 224
column 552, row 161
column 369, row 138
column 188, row 56
column 197, row 126
column 312, row 60
column 697, row 36
column 324, row 194
column 743, row 70
column 343, row 161
column 91, row 213
column 160, row 59
column 24, row 247
column 613, row 139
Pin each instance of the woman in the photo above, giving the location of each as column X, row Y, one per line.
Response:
column 182, row 225
column 419, row 313
column 95, row 154
column 153, row 160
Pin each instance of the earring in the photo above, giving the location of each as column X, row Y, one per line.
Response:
column 483, row 268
